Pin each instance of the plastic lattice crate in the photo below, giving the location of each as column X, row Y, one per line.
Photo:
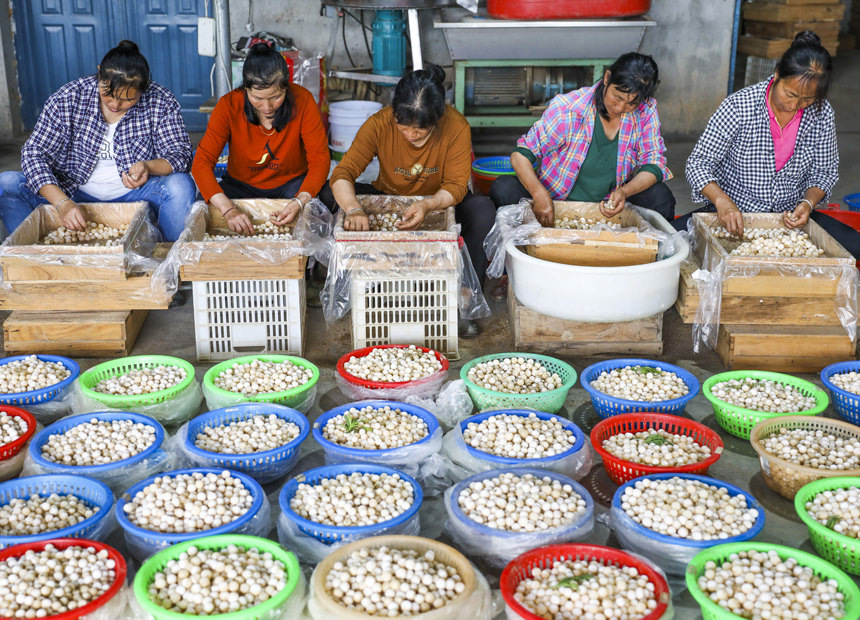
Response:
column 233, row 318
column 410, row 308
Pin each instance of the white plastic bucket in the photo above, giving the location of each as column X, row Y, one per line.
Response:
column 345, row 119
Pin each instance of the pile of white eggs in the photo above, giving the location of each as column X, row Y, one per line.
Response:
column 12, row 428
column 657, row 448
column 641, row 383
column 369, row 428
column 39, row 514
column 762, row 395
column 30, row 374
column 258, row 433
column 266, row 230
column 688, row 509
column 384, row 222
column 389, row 582
column 582, row 223
column 514, row 375
column 394, row 365
column 519, row 437
column 521, row 503
column 142, row 381
column 259, row 377
column 98, row 442
column 209, row 582
column 771, row 242
column 837, row 509
column 586, row 589
column 356, row 499
column 94, row 234
column 848, row 381
column 817, row 449
column 40, row 584
column 756, row 584
column 189, row 502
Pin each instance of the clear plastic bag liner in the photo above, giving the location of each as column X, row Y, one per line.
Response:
column 12, row 467
column 369, row 175
column 498, row 551
column 463, row 464
column 173, row 412
column 115, row 607
column 259, row 525
column 367, row 260
column 291, row 609
column 479, row 606
column 716, row 268
column 452, row 405
column 424, row 387
column 309, row 72
column 218, row 399
column 53, row 410
column 309, row 550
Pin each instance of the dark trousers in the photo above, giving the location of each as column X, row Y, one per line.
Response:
column 237, row 190
column 509, row 190
column 475, row 215
column 847, row 237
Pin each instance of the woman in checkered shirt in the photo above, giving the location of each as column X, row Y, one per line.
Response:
column 771, row 148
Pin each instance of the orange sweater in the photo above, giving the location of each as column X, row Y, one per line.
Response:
column 444, row 162
column 258, row 159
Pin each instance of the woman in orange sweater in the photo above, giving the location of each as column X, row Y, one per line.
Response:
column 278, row 146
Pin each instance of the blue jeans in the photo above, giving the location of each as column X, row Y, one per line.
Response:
column 170, row 199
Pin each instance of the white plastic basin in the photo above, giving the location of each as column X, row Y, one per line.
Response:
column 597, row 294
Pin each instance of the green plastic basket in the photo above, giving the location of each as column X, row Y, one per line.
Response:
column 720, row 553
column 739, row 421
column 289, row 398
column 838, row 549
column 90, row 378
column 156, row 563
column 549, row 402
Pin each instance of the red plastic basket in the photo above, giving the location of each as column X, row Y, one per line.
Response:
column 521, row 568
column 121, row 570
column 12, row 449
column 623, row 471
column 378, row 385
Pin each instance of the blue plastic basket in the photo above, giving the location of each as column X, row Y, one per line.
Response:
column 853, row 201
column 607, row 406
column 682, row 542
column 485, row 530
column 847, row 405
column 65, row 424
column 501, row 461
column 494, row 166
column 150, row 537
column 329, row 533
column 345, row 453
column 93, row 492
column 262, row 466
column 22, row 399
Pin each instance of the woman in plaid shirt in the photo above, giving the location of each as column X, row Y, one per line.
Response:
column 111, row 137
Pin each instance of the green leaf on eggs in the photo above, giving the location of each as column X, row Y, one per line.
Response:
column 572, row 582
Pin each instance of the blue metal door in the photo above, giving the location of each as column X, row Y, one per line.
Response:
column 57, row 41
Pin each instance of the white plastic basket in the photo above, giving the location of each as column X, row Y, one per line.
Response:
column 758, row 70
column 233, row 318
column 410, row 308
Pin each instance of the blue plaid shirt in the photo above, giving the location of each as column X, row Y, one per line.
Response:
column 63, row 147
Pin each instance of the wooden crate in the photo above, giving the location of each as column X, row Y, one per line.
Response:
column 24, row 260
column 788, row 30
column 538, row 333
column 592, row 248
column 782, row 348
column 776, row 12
column 223, row 260
column 775, row 48
column 73, row 334
column 687, row 303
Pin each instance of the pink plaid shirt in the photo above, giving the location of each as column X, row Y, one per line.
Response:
column 560, row 139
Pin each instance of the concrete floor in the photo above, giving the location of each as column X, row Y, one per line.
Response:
column 171, row 332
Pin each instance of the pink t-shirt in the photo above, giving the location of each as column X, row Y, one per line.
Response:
column 784, row 138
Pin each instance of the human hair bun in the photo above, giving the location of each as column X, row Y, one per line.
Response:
column 125, row 44
column 807, row 36
column 260, row 47
column 435, row 72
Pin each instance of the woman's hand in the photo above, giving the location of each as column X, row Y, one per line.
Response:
column 71, row 216
column 618, row 199
column 356, row 220
column 414, row 215
column 292, row 209
column 799, row 217
column 137, row 175
column 543, row 210
column 730, row 216
column 238, row 222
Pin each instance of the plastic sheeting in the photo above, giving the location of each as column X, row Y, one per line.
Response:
column 12, row 467
column 434, row 251
column 424, row 387
column 310, row 550
column 452, row 405
column 114, row 608
column 518, row 223
column 173, row 412
column 219, row 399
column 52, row 410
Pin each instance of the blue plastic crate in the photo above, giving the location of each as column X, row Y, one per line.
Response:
column 607, row 406
column 852, row 201
column 330, row 533
column 22, row 399
column 93, row 492
column 345, row 452
column 262, row 466
column 846, row 404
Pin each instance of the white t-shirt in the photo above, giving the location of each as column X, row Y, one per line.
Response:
column 105, row 182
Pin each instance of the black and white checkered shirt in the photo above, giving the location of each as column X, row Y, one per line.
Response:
column 736, row 151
